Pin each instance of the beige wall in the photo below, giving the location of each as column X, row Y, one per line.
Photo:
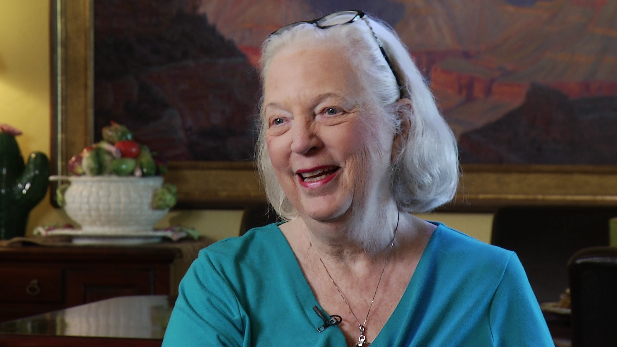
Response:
column 25, row 100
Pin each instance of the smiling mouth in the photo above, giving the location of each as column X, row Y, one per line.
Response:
column 314, row 176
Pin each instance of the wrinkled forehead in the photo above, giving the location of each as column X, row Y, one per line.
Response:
column 322, row 52
column 342, row 38
column 314, row 68
column 343, row 46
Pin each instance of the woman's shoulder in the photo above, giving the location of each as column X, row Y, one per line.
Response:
column 460, row 261
column 256, row 240
column 255, row 243
column 255, row 259
column 456, row 245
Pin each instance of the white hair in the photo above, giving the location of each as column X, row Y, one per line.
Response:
column 425, row 174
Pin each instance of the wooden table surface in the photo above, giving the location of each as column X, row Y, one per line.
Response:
column 132, row 321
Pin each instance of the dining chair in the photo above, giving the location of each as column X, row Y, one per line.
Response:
column 257, row 216
column 544, row 238
column 593, row 288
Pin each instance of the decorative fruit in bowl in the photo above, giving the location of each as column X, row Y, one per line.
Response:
column 118, row 154
column 115, row 186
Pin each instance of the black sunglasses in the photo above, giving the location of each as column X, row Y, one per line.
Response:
column 346, row 17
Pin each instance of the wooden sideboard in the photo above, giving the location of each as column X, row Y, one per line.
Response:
column 38, row 279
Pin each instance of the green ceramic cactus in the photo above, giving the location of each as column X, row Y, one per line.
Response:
column 22, row 186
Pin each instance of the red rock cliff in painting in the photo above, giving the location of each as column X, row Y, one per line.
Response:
column 248, row 23
column 481, row 59
column 161, row 69
column 569, row 47
column 489, row 63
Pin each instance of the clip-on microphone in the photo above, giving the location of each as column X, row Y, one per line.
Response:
column 327, row 321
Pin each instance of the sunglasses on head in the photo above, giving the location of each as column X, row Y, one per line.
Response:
column 341, row 18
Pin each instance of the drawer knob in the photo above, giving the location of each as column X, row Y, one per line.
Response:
column 33, row 288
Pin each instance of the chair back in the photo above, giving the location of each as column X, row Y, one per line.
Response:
column 257, row 216
column 593, row 289
column 544, row 238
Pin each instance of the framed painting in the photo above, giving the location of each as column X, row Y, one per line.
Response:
column 201, row 184
column 533, row 112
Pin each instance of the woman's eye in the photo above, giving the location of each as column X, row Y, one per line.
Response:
column 331, row 111
column 278, row 121
column 278, row 125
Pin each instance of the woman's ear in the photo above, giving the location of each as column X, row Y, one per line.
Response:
column 404, row 112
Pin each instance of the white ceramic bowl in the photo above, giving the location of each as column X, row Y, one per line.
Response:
column 113, row 204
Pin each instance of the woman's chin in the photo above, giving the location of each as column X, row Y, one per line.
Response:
column 323, row 216
column 324, row 212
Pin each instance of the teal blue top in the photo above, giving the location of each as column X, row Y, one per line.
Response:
column 250, row 291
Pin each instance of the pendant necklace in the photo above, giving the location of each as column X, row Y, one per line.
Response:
column 362, row 326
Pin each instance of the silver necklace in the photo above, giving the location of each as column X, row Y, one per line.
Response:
column 362, row 326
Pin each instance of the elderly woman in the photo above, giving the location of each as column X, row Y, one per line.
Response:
column 351, row 145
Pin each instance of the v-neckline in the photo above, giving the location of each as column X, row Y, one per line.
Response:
column 310, row 300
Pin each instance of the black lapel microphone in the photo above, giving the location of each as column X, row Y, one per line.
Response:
column 327, row 321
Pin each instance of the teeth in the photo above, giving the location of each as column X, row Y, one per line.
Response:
column 315, row 175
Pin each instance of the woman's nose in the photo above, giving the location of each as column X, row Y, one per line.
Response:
column 304, row 137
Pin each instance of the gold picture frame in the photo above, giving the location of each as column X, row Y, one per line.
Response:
column 236, row 184
column 200, row 184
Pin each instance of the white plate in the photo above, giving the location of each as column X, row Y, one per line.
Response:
column 103, row 238
column 114, row 240
column 553, row 307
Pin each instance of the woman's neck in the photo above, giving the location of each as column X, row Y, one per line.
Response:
column 348, row 238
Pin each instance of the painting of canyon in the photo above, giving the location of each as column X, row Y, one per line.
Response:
column 519, row 81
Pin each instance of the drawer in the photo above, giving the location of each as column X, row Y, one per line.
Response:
column 89, row 285
column 30, row 284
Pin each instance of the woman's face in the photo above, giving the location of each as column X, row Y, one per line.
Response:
column 329, row 146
